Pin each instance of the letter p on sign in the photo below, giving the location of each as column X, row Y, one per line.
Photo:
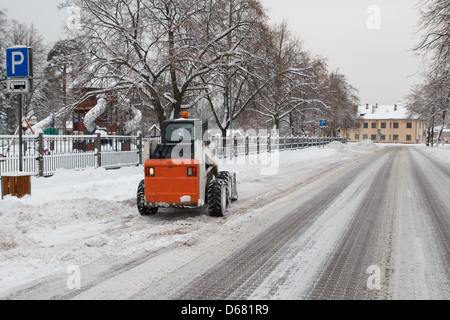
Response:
column 18, row 62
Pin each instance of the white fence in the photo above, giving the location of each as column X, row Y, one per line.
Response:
column 241, row 146
column 43, row 155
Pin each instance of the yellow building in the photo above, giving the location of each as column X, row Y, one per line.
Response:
column 388, row 124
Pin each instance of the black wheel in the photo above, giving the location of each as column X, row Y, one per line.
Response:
column 227, row 179
column 217, row 198
column 143, row 209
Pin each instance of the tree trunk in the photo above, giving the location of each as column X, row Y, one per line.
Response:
column 444, row 113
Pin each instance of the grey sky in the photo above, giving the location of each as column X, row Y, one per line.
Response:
column 44, row 14
column 378, row 62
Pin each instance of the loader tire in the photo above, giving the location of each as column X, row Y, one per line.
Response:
column 143, row 208
column 227, row 179
column 217, row 197
column 231, row 182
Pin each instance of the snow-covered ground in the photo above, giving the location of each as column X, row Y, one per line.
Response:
column 78, row 218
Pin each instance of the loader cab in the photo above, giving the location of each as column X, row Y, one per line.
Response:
column 183, row 173
column 178, row 138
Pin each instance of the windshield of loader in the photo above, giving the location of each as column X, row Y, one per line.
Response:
column 179, row 132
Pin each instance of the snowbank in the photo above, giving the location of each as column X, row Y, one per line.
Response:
column 359, row 147
column 441, row 152
column 340, row 147
column 364, row 146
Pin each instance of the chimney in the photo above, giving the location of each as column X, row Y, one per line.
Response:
column 395, row 107
column 374, row 108
column 367, row 106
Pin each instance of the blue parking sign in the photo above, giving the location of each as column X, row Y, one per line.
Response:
column 19, row 62
column 323, row 123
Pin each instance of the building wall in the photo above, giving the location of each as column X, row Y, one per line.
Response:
column 392, row 131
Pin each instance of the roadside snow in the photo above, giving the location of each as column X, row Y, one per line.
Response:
column 441, row 152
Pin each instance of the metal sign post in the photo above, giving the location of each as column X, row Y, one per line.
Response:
column 20, row 134
column 19, row 73
column 323, row 125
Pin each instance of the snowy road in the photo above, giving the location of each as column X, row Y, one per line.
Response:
column 332, row 224
column 387, row 214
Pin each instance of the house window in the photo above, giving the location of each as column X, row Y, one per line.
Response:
column 374, row 125
column 365, row 136
column 395, row 125
column 357, row 136
column 373, row 137
column 366, row 125
column 395, row 137
column 383, row 125
column 409, row 125
column 408, row 137
column 382, row 137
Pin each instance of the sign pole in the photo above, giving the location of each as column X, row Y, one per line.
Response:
column 20, row 134
column 320, row 134
column 19, row 74
column 323, row 125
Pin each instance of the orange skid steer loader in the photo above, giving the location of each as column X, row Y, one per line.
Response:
column 182, row 173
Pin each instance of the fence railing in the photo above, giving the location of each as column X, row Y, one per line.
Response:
column 241, row 146
column 43, row 155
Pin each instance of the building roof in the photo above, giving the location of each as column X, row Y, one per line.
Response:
column 385, row 112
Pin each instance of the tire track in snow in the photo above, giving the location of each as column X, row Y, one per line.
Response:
column 431, row 179
column 344, row 277
column 434, row 183
column 243, row 273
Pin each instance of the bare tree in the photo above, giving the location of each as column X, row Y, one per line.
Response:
column 230, row 86
column 63, row 62
column 343, row 101
column 4, row 104
column 15, row 33
column 435, row 24
column 155, row 48
column 21, row 34
column 290, row 71
column 431, row 99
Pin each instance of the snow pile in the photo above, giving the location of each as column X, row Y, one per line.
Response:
column 66, row 220
column 90, row 183
column 364, row 146
column 340, row 147
column 97, row 241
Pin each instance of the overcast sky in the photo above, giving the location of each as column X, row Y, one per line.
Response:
column 369, row 41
